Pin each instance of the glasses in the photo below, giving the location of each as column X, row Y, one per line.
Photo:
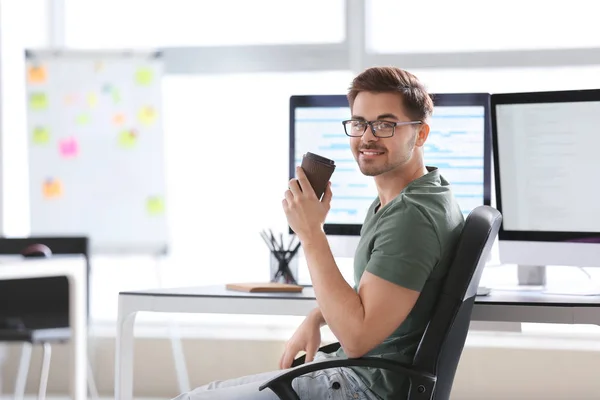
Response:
column 380, row 129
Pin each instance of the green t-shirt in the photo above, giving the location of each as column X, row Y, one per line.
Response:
column 410, row 242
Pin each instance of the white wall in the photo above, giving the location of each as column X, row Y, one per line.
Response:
column 498, row 373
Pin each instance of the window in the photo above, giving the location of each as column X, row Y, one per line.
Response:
column 94, row 24
column 227, row 170
column 434, row 26
column 15, row 37
column 34, row 33
column 499, row 80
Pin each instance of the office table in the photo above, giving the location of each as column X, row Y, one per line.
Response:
column 499, row 306
column 75, row 269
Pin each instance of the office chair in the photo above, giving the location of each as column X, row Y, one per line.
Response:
column 432, row 370
column 36, row 310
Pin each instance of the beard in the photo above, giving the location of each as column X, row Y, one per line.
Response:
column 370, row 169
column 382, row 164
column 379, row 167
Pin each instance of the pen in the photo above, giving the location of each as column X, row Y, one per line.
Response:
column 266, row 240
column 275, row 244
column 293, row 252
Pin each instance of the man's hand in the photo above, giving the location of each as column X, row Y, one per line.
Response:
column 307, row 338
column 304, row 212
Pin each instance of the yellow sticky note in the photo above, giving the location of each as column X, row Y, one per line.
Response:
column 38, row 101
column 36, row 74
column 144, row 76
column 147, row 115
column 41, row 135
column 98, row 66
column 52, row 188
column 127, row 138
column 92, row 100
column 155, row 205
column 82, row 119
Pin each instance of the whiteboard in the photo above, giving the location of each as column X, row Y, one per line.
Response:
column 95, row 148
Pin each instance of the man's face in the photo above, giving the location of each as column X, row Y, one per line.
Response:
column 374, row 155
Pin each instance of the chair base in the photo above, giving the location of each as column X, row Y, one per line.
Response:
column 23, row 371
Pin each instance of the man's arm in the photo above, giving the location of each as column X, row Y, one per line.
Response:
column 405, row 251
column 307, row 338
column 317, row 316
column 360, row 321
column 387, row 291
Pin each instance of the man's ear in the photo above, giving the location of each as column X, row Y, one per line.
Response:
column 422, row 134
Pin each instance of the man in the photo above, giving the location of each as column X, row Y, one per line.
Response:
column 407, row 240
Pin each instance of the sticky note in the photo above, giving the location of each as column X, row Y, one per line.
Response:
column 127, row 138
column 38, row 101
column 147, row 115
column 70, row 99
column 36, row 74
column 68, row 147
column 52, row 188
column 116, row 95
column 98, row 66
column 41, row 135
column 113, row 92
column 119, row 119
column 155, row 205
column 92, row 100
column 82, row 119
column 144, row 76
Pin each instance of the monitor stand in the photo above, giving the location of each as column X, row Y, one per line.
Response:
column 533, row 277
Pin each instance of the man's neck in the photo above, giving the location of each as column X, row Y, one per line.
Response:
column 390, row 184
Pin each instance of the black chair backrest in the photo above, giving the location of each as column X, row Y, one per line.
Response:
column 48, row 295
column 443, row 341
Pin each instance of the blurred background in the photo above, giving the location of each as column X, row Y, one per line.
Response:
column 230, row 67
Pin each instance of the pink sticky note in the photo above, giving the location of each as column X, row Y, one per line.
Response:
column 68, row 147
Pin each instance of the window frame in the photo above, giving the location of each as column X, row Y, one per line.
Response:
column 352, row 53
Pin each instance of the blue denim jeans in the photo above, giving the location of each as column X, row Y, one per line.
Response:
column 329, row 384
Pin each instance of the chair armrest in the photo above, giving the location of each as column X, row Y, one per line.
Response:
column 282, row 383
column 329, row 348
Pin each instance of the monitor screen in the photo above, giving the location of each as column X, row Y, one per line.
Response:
column 547, row 158
column 458, row 145
column 319, row 130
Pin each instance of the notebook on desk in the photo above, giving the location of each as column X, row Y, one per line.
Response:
column 263, row 287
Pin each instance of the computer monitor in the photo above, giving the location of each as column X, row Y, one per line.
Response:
column 458, row 143
column 545, row 148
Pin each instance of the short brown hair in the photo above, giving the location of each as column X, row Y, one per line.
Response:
column 418, row 103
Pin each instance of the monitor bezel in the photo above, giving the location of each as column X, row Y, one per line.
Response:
column 439, row 99
column 560, row 96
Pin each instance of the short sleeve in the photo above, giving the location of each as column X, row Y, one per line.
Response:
column 405, row 248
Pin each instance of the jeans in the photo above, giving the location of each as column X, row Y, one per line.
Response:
column 327, row 384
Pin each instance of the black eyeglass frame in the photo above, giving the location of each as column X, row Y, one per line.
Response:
column 370, row 124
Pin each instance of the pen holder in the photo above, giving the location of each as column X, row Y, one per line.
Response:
column 284, row 267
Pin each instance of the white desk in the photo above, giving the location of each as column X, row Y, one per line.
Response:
column 498, row 306
column 75, row 269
